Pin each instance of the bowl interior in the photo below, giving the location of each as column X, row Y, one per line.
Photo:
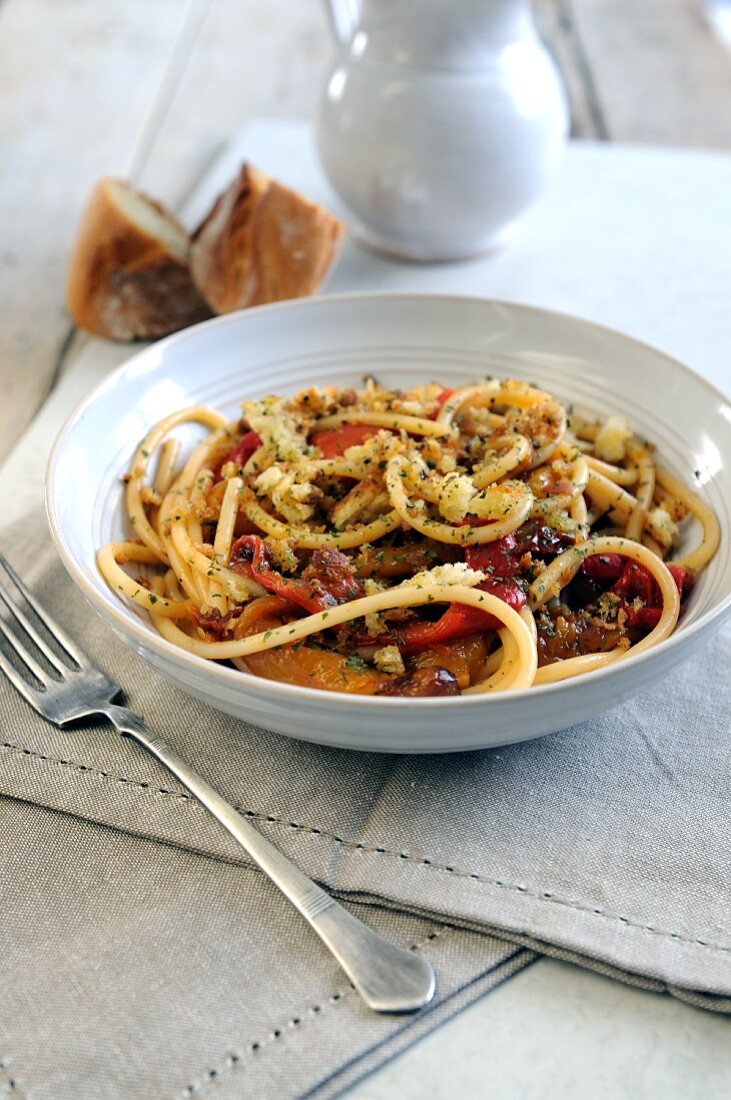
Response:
column 402, row 340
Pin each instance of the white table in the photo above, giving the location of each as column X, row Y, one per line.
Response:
column 636, row 239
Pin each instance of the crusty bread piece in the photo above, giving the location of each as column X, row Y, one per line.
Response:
column 262, row 242
column 129, row 276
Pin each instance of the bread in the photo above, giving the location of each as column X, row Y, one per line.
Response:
column 129, row 276
column 262, row 242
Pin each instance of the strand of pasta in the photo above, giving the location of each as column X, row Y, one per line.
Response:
column 305, row 539
column 108, row 560
column 711, row 529
column 182, row 572
column 521, row 396
column 413, row 425
column 201, row 567
column 649, row 542
column 644, row 490
column 617, row 474
column 177, row 500
column 370, row 496
column 493, row 661
column 140, row 463
column 548, row 506
column 258, row 461
column 409, row 595
column 579, row 513
column 576, row 666
column 508, row 671
column 579, row 475
column 563, row 568
column 491, row 393
column 504, row 661
column 172, row 587
column 198, row 564
column 409, row 512
column 488, row 472
column 610, row 497
column 166, row 463
column 224, row 537
column 172, row 533
column 488, row 503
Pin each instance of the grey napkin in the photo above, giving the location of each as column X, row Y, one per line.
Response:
column 160, row 963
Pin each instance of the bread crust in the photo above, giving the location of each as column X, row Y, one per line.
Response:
column 262, row 242
column 124, row 282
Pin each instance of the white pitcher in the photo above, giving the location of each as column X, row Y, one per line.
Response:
column 441, row 121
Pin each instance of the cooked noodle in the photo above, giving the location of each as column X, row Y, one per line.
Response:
column 424, row 543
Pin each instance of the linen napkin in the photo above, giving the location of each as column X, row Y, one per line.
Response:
column 160, row 963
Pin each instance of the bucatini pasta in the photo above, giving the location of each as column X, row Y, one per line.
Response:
column 434, row 542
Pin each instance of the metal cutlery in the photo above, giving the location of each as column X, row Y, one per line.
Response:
column 61, row 684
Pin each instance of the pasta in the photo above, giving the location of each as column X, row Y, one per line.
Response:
column 434, row 542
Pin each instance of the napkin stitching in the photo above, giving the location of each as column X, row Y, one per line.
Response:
column 419, row 861
column 67, row 762
column 540, row 895
column 312, row 1012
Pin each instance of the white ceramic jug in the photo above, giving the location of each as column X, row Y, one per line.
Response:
column 441, row 121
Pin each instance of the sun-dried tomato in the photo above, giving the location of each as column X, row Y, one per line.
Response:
column 421, row 683
column 335, row 573
column 213, row 622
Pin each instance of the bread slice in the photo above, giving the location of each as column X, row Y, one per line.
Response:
column 262, row 242
column 129, row 276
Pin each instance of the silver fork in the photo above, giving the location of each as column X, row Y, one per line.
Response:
column 388, row 978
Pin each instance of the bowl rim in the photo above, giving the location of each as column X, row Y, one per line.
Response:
column 147, row 637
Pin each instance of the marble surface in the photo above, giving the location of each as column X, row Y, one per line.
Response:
column 640, row 240
column 554, row 1032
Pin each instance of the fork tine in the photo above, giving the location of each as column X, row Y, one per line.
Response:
column 30, row 694
column 31, row 631
column 51, row 626
column 24, row 654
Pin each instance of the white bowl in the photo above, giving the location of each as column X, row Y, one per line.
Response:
column 402, row 339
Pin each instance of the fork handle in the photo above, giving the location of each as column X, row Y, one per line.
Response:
column 388, row 978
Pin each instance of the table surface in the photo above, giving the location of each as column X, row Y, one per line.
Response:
column 647, row 254
column 90, row 88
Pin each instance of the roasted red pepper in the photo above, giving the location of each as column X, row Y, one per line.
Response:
column 644, row 618
column 682, row 577
column 495, row 558
column 328, row 580
column 604, row 567
column 334, row 442
column 632, row 582
column 242, row 452
column 460, row 620
column 636, row 583
column 444, row 396
column 647, row 617
column 501, row 558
